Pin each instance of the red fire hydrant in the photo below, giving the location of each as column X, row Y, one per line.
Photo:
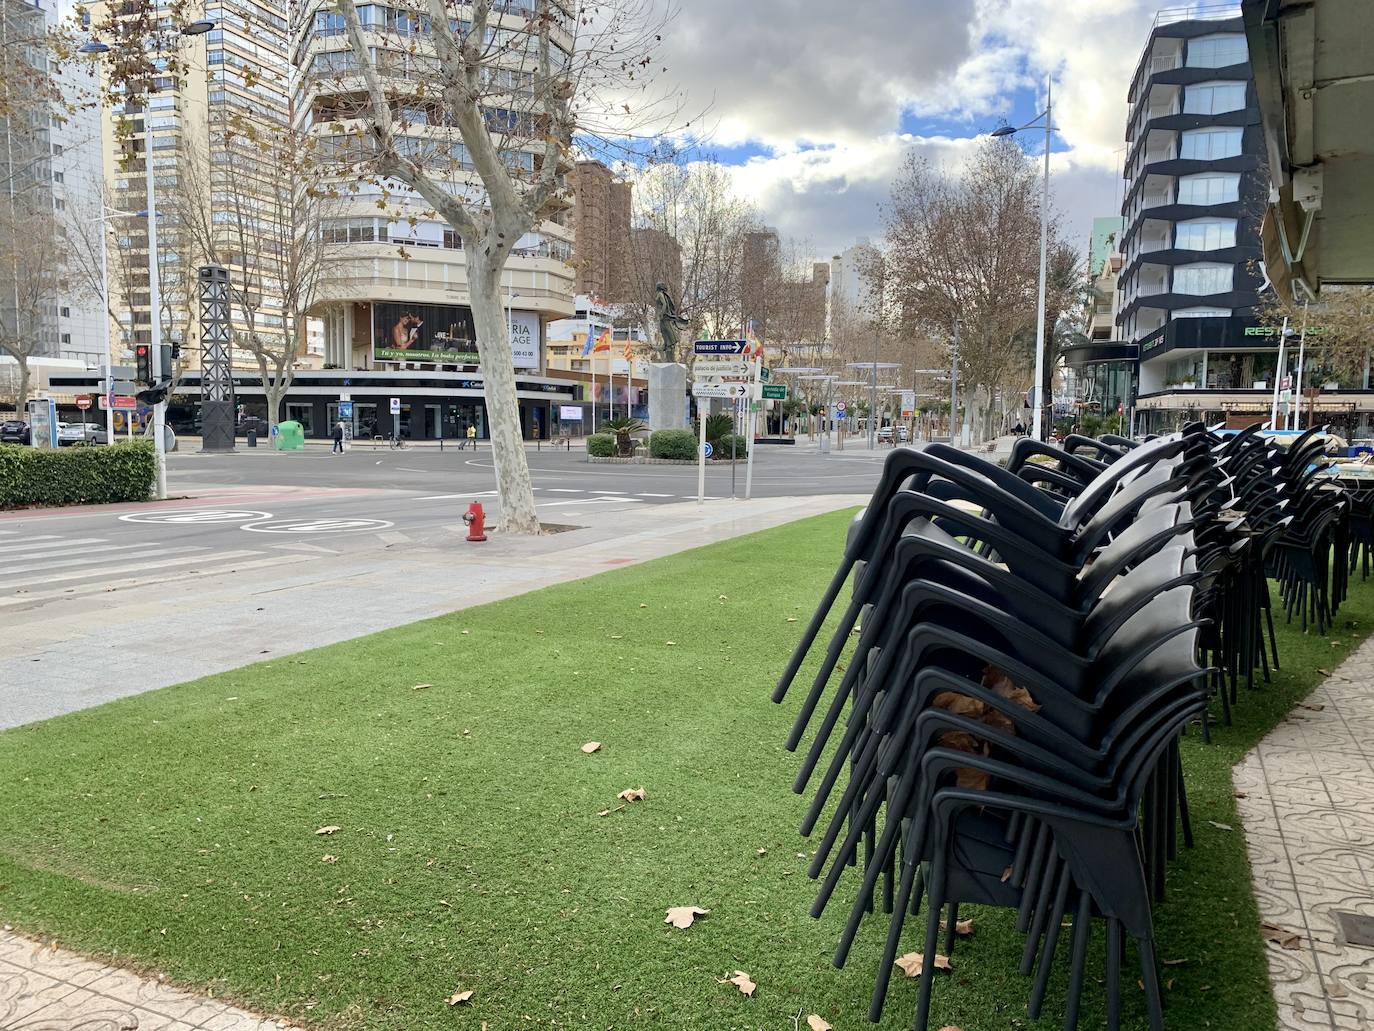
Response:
column 476, row 520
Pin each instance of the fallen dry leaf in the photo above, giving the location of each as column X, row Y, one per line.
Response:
column 328, row 830
column 632, row 795
column 963, row 928
column 1174, row 962
column 670, row 643
column 422, row 687
column 912, row 962
column 329, row 859
column 1281, row 936
column 682, row 917
column 817, row 1023
column 793, row 619
column 1313, row 708
column 457, row 997
column 743, row 982
column 951, row 1027
column 761, row 852
column 1221, row 826
column 604, row 812
column 591, row 746
column 1006, row 875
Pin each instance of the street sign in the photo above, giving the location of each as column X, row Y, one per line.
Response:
column 731, row 390
column 706, row 449
column 720, row 369
column 774, row 392
column 83, row 402
column 395, row 406
column 839, row 407
column 720, row 346
column 765, row 375
column 346, row 411
column 840, row 413
column 118, row 402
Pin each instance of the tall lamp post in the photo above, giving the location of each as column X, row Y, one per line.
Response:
column 1008, row 130
column 873, row 368
column 95, row 48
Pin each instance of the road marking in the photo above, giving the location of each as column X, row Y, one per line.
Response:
column 408, row 469
column 605, row 492
column 565, row 490
column 317, row 525
column 200, row 555
column 646, row 495
column 394, row 537
column 197, row 516
column 589, row 501
column 8, row 574
column 29, row 543
column 317, row 549
column 450, row 497
column 57, row 551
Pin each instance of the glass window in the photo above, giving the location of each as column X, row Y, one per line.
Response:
column 1201, row 313
column 1217, row 51
column 1205, row 234
column 1211, row 144
column 1203, row 278
column 1214, row 98
column 1209, row 188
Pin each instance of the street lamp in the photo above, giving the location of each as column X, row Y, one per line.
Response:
column 873, row 368
column 95, row 48
column 1008, row 130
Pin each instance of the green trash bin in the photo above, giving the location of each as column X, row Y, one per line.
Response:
column 290, row 436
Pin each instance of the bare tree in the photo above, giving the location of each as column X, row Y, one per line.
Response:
column 963, row 247
column 272, row 241
column 511, row 84
column 1340, row 330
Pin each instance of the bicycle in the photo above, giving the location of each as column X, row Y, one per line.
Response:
column 396, row 443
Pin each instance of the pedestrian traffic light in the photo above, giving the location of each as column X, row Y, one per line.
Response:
column 143, row 361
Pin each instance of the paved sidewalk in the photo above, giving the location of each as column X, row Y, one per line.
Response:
column 1306, row 796
column 44, row 988
column 104, row 647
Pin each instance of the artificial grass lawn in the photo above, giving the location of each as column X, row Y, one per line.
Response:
column 176, row 830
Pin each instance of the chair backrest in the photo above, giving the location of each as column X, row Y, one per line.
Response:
column 1097, row 492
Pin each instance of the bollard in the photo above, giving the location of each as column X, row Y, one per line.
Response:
column 476, row 520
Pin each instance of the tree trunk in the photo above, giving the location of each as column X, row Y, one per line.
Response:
column 518, row 514
column 21, row 399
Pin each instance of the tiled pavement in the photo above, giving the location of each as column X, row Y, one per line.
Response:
column 48, row 989
column 1307, row 802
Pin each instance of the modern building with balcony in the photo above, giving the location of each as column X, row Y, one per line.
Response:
column 399, row 303
column 1194, row 198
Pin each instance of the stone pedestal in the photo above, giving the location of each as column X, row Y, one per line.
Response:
column 667, row 397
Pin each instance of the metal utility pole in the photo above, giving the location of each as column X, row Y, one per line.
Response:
column 954, row 386
column 1037, row 418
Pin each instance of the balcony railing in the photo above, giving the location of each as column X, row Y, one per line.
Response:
column 1210, row 10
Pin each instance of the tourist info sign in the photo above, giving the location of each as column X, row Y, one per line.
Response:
column 720, row 369
column 732, row 390
column 721, row 346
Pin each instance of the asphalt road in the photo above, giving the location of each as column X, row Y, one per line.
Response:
column 258, row 510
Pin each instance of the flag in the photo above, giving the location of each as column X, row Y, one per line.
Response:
column 629, row 352
column 754, row 346
column 603, row 342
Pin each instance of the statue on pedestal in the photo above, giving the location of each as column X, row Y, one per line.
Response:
column 670, row 323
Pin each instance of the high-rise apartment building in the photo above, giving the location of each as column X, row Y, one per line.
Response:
column 851, row 292
column 234, row 83
column 601, row 232
column 1194, row 195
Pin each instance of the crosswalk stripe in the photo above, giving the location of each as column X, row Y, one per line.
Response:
column 105, row 586
column 41, row 541
column 643, row 494
column 606, row 492
column 57, row 549
column 9, row 575
column 565, row 490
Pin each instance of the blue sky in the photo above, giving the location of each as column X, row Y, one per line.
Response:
column 814, row 107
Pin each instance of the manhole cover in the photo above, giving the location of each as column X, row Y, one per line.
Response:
column 1356, row 928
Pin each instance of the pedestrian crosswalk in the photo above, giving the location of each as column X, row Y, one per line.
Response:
column 575, row 495
column 40, row 567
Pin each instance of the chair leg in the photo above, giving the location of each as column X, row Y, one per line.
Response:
column 1082, row 930
column 910, row 869
column 1113, row 974
column 1149, row 974
column 1056, row 921
column 936, row 903
column 1042, row 905
column 950, row 928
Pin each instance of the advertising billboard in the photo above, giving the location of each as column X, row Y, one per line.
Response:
column 444, row 334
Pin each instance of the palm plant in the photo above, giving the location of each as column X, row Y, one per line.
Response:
column 718, row 427
column 625, row 428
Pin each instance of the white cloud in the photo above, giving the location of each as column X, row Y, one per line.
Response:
column 825, row 89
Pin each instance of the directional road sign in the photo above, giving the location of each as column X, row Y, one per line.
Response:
column 720, row 368
column 765, row 375
column 731, row 390
column 721, row 346
column 774, row 392
column 118, row 402
column 706, row 449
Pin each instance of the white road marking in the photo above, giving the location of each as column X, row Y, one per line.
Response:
column 606, row 492
column 588, row 501
column 42, row 541
column 197, row 516
column 317, row 549
column 317, row 525
column 55, row 554
column 450, row 497
column 647, row 495
column 274, row 561
column 565, row 490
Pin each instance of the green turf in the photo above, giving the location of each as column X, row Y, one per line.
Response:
column 176, row 830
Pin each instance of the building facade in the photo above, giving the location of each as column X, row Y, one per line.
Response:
column 601, row 232
column 1194, row 198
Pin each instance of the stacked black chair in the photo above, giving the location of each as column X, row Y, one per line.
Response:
column 1027, row 660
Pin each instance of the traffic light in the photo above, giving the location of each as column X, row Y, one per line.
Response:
column 170, row 353
column 143, row 361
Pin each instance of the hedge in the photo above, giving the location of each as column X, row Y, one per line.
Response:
column 601, row 445
column 77, row 475
column 722, row 447
column 678, row 444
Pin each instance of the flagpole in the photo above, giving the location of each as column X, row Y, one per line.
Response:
column 593, row 356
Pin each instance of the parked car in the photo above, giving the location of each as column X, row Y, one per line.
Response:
column 251, row 424
column 80, row 433
column 14, row 431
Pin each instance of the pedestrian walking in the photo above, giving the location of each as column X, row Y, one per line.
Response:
column 338, row 438
column 472, row 435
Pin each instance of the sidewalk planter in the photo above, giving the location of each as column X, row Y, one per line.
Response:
column 680, row 445
column 80, row 475
column 600, row 445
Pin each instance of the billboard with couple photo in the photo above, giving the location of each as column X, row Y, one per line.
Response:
column 444, row 334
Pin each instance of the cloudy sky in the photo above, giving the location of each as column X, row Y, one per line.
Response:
column 815, row 103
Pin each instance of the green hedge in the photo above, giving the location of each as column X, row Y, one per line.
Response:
column 679, row 444
column 601, row 445
column 722, row 447
column 76, row 475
